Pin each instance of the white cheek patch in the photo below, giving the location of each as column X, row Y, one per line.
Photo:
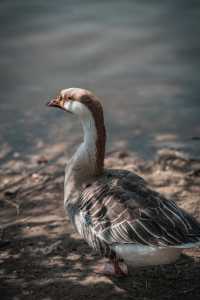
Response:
column 68, row 105
column 80, row 109
column 77, row 108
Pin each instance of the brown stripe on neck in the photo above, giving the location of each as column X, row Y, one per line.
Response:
column 94, row 106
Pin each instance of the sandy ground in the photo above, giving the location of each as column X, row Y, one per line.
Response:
column 42, row 257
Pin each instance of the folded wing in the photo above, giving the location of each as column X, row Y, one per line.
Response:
column 120, row 208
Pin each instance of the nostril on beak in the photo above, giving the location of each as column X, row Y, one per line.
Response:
column 48, row 103
column 53, row 102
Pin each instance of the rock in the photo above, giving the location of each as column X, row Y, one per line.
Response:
column 42, row 160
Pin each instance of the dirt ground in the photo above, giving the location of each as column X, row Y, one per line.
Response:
column 42, row 257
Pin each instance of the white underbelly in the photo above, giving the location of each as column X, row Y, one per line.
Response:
column 138, row 256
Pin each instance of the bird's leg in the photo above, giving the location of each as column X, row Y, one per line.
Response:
column 120, row 267
column 113, row 268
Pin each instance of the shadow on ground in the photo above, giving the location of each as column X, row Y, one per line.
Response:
column 41, row 257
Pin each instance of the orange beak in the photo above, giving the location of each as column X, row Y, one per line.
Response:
column 56, row 103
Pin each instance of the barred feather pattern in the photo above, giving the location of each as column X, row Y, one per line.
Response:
column 119, row 208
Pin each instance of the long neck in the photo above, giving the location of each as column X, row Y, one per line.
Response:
column 89, row 157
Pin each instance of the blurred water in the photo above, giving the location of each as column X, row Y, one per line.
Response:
column 142, row 58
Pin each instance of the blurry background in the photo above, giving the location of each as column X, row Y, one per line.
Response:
column 142, row 58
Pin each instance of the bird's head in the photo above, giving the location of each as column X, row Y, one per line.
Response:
column 78, row 101
column 87, row 107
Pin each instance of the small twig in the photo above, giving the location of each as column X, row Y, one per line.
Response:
column 187, row 291
column 16, row 222
column 16, row 206
column 28, row 174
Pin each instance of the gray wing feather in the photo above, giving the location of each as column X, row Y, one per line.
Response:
column 122, row 209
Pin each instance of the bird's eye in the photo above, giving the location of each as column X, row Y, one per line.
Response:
column 69, row 97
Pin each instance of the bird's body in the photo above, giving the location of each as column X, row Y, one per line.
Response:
column 114, row 210
column 118, row 215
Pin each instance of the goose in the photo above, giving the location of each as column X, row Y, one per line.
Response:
column 115, row 211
